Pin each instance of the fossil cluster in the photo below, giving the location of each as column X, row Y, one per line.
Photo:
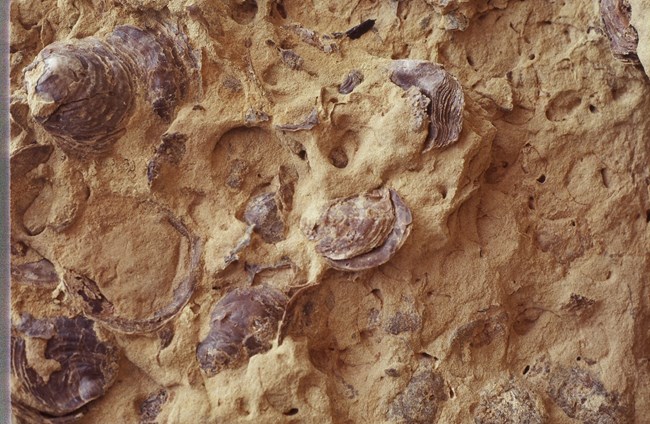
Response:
column 268, row 211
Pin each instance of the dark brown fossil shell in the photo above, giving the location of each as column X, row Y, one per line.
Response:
column 87, row 366
column 446, row 95
column 82, row 91
column 87, row 295
column 362, row 231
column 622, row 36
column 161, row 57
column 263, row 213
column 243, row 323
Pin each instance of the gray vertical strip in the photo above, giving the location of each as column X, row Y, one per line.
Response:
column 5, row 402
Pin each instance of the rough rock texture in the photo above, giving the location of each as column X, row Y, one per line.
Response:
column 522, row 287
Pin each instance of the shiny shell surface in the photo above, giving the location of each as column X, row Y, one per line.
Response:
column 87, row 366
column 80, row 91
column 362, row 231
column 354, row 225
column 443, row 90
column 243, row 323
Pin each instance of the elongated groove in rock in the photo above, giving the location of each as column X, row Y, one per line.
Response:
column 622, row 36
column 88, row 366
column 88, row 296
column 83, row 91
column 445, row 93
column 242, row 324
column 382, row 254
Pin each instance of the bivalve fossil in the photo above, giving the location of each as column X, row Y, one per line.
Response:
column 623, row 37
column 58, row 365
column 263, row 213
column 362, row 231
column 83, row 91
column 445, row 93
column 243, row 323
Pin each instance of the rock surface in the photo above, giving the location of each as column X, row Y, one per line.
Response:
column 521, row 290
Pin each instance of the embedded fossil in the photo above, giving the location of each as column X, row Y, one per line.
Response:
column 40, row 273
column 622, row 36
column 87, row 366
column 263, row 213
column 351, row 81
column 509, row 403
column 87, row 295
column 82, row 91
column 243, row 323
column 443, row 90
column 362, row 231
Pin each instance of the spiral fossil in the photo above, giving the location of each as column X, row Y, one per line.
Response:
column 83, row 91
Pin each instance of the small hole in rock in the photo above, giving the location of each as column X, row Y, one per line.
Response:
column 526, row 369
column 470, row 60
column 531, row 203
column 451, row 393
column 578, row 358
column 302, row 154
column 292, row 411
column 338, row 158
column 573, row 223
column 647, row 215
column 425, row 355
column 593, row 109
column 443, row 192
column 541, row 179
column 531, row 56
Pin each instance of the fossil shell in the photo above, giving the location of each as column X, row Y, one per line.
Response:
column 622, row 36
column 510, row 403
column 87, row 295
column 362, row 231
column 82, row 91
column 87, row 366
column 161, row 58
column 243, row 323
column 421, row 400
column 39, row 273
column 583, row 396
column 351, row 81
column 262, row 212
column 444, row 91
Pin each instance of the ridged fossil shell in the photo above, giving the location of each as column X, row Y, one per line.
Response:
column 443, row 90
column 87, row 366
column 243, row 323
column 83, row 91
column 622, row 36
column 362, row 231
column 89, row 298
